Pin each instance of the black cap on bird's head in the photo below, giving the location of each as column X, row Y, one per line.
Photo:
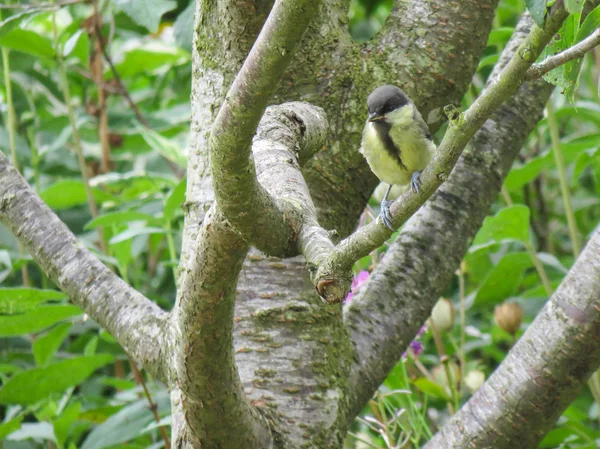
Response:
column 385, row 99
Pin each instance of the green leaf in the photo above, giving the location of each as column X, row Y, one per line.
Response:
column 29, row 387
column 125, row 425
column 175, row 200
column 29, row 42
column 184, row 27
column 45, row 347
column 150, row 58
column 500, row 36
column 70, row 193
column 9, row 427
column 537, row 9
column 77, row 45
column 504, row 279
column 63, row 423
column 12, row 22
column 165, row 147
column 431, row 388
column 116, row 218
column 146, row 13
column 133, row 232
column 36, row 320
column 19, row 300
column 574, row 6
column 510, row 223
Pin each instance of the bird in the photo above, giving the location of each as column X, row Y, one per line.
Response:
column 396, row 142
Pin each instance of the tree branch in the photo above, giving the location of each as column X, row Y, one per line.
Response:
column 137, row 323
column 246, row 204
column 574, row 52
column 543, row 372
column 461, row 130
column 401, row 292
column 215, row 401
column 212, row 397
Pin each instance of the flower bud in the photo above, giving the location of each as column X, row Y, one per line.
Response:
column 443, row 315
column 439, row 374
column 508, row 316
column 474, row 380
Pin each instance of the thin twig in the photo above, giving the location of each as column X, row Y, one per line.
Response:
column 174, row 167
column 117, row 90
column 576, row 51
column 562, row 176
column 137, row 375
column 12, row 132
column 98, row 74
column 76, row 139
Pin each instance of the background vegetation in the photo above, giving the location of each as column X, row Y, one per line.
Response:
column 95, row 113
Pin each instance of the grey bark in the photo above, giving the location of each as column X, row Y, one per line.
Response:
column 543, row 372
column 298, row 372
column 137, row 323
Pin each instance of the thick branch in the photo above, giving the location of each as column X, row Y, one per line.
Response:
column 575, row 52
column 137, row 323
column 288, row 134
column 544, row 371
column 401, row 290
column 212, row 397
column 244, row 202
column 461, row 130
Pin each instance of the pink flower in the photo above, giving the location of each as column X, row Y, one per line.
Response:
column 357, row 282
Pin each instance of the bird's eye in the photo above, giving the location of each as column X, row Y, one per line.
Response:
column 387, row 108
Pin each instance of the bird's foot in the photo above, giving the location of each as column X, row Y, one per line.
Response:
column 384, row 214
column 415, row 182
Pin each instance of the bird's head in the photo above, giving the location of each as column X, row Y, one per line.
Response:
column 389, row 104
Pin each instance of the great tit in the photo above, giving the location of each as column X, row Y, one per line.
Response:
column 396, row 142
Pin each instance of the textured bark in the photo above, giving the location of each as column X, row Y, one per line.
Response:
column 243, row 200
column 211, row 396
column 295, row 372
column 543, row 372
column 401, row 291
column 137, row 323
column 207, row 392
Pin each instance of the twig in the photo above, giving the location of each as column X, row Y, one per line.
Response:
column 137, row 375
column 98, row 74
column 76, row 139
column 562, row 176
column 116, row 90
column 12, row 131
column 174, row 167
column 576, row 51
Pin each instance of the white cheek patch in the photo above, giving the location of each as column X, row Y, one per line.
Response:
column 402, row 116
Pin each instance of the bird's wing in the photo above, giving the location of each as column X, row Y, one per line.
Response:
column 418, row 118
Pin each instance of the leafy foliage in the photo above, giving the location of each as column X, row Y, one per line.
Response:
column 66, row 382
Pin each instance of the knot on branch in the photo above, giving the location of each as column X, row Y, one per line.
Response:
column 452, row 112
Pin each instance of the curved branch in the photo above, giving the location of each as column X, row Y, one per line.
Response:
column 211, row 394
column 244, row 201
column 543, row 372
column 462, row 128
column 401, row 292
column 137, row 323
column 202, row 319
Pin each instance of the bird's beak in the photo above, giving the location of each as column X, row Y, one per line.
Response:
column 373, row 117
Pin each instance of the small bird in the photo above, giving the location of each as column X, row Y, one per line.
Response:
column 396, row 142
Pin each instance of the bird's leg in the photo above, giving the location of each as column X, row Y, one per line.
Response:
column 415, row 182
column 385, row 216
